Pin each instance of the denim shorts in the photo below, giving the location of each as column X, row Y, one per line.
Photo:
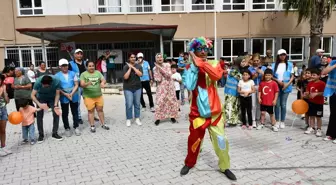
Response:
column 3, row 113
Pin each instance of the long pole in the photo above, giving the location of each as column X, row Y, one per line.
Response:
column 215, row 33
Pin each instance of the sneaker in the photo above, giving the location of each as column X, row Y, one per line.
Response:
column 25, row 141
column 77, row 132
column 157, row 122
column 7, row 151
column 260, row 126
column 93, row 129
column 334, row 141
column 138, row 122
column 275, row 128
column 277, row 124
column 57, row 137
column 2, row 153
column 40, row 139
column 309, row 130
column 152, row 109
column 254, row 124
column 328, row 138
column 32, row 142
column 128, row 122
column 173, row 120
column 80, row 122
column 105, row 127
column 282, row 125
column 250, row 127
column 230, row 175
column 244, row 127
column 318, row 133
column 67, row 133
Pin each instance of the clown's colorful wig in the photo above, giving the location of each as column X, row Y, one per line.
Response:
column 199, row 42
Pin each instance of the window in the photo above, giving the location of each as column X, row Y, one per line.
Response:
column 173, row 48
column 202, row 5
column 262, row 45
column 211, row 54
column 141, row 5
column 232, row 48
column 294, row 48
column 263, row 4
column 233, row 5
column 326, row 45
column 108, row 6
column 172, row 5
column 30, row 7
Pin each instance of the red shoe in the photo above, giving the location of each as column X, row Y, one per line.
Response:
column 244, row 127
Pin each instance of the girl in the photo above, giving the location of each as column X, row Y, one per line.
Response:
column 246, row 89
column 284, row 76
column 28, row 128
column 3, row 117
column 31, row 74
column 92, row 82
column 167, row 104
column 8, row 72
column 132, row 90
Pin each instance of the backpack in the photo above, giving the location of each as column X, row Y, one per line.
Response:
column 98, row 66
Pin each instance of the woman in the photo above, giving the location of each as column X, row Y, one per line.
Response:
column 3, row 118
column 32, row 74
column 42, row 70
column 8, row 72
column 284, row 76
column 132, row 90
column 92, row 81
column 167, row 104
column 22, row 88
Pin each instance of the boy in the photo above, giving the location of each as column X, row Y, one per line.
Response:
column 307, row 79
column 177, row 80
column 315, row 90
column 268, row 96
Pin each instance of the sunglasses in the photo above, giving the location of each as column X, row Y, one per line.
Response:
column 200, row 49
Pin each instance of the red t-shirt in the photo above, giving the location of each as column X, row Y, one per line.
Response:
column 315, row 87
column 267, row 92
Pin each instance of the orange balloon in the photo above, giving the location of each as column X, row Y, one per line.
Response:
column 15, row 118
column 300, row 107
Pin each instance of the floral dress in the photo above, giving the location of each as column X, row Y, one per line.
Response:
column 166, row 103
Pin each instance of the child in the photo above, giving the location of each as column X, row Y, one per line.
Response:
column 28, row 128
column 307, row 79
column 245, row 89
column 177, row 80
column 268, row 96
column 3, row 117
column 315, row 90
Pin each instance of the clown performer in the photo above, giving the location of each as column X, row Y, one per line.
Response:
column 231, row 102
column 206, row 109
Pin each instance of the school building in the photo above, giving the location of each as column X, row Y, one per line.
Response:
column 32, row 31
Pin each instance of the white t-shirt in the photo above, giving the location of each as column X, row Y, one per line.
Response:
column 31, row 76
column 103, row 66
column 281, row 70
column 245, row 86
column 178, row 77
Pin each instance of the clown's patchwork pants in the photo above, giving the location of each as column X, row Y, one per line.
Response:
column 217, row 136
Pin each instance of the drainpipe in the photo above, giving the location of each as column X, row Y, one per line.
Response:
column 14, row 22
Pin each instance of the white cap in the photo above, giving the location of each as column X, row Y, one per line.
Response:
column 140, row 55
column 282, row 51
column 78, row 50
column 319, row 51
column 63, row 62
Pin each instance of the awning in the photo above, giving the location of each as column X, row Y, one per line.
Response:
column 64, row 33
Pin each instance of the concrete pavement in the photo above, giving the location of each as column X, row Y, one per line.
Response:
column 150, row 154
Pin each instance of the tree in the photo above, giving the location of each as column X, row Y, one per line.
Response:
column 314, row 11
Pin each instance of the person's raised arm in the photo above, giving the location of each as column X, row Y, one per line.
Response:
column 328, row 69
column 215, row 73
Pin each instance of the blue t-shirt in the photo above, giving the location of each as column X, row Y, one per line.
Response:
column 315, row 61
column 145, row 71
column 47, row 93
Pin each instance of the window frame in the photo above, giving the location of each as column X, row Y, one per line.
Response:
column 276, row 6
column 265, row 49
column 204, row 4
column 107, row 6
column 231, row 52
column 231, row 3
column 143, row 6
column 331, row 45
column 289, row 53
column 170, row 6
column 32, row 8
column 186, row 41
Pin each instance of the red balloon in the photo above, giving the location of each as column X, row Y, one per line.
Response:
column 15, row 118
column 300, row 107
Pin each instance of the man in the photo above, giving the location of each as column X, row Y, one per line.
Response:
column 146, row 82
column 181, row 68
column 269, row 58
column 79, row 66
column 69, row 96
column 200, row 79
column 46, row 94
column 315, row 61
column 111, row 72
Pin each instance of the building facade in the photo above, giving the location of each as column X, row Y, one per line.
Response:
column 235, row 26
